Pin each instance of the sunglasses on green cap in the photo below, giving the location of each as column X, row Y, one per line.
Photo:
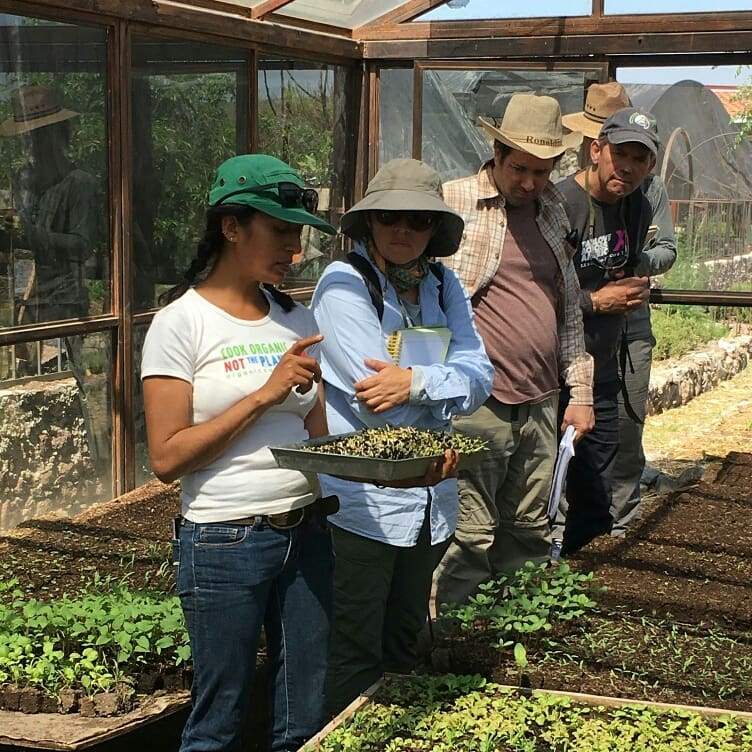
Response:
column 288, row 195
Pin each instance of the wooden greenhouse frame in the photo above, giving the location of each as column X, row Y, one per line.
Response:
column 598, row 42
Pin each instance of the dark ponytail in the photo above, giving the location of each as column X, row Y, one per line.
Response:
column 209, row 247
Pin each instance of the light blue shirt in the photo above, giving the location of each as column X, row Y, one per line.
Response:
column 352, row 332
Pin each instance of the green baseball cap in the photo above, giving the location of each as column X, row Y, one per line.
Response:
column 267, row 184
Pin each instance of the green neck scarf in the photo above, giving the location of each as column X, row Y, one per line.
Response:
column 407, row 276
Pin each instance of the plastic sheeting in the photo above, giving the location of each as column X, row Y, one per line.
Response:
column 453, row 101
column 721, row 163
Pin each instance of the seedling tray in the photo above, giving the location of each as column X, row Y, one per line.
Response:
column 301, row 457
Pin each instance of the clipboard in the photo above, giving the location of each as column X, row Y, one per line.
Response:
column 419, row 345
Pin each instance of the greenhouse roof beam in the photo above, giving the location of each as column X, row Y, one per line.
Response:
column 268, row 6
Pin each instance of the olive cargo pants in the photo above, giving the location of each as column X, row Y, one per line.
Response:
column 502, row 518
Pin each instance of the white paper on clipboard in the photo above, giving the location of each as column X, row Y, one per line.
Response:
column 565, row 454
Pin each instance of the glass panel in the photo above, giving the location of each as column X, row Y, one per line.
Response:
column 189, row 114
column 671, row 6
column 55, row 426
column 459, row 10
column 453, row 100
column 54, row 238
column 303, row 121
column 707, row 169
column 343, row 13
column 395, row 113
column 143, row 468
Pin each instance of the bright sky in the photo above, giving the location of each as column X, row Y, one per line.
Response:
column 723, row 75
column 531, row 8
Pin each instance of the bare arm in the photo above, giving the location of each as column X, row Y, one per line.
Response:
column 177, row 447
column 315, row 421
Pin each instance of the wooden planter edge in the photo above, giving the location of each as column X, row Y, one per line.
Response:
column 595, row 700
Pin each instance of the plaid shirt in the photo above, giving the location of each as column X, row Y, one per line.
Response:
column 476, row 262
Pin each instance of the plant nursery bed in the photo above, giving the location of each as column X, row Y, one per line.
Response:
column 54, row 555
column 690, row 557
column 663, row 615
column 453, row 712
column 53, row 731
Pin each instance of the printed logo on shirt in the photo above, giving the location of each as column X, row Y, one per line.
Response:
column 613, row 245
column 257, row 357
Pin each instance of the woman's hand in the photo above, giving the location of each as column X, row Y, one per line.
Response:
column 388, row 388
column 297, row 369
column 442, row 469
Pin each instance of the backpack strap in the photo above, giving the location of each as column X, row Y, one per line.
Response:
column 373, row 283
column 282, row 299
column 437, row 269
column 371, row 279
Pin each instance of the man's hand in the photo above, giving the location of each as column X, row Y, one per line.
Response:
column 582, row 417
column 621, row 296
column 388, row 388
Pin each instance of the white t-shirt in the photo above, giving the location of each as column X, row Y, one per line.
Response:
column 225, row 359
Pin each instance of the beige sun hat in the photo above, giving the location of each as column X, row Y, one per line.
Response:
column 532, row 123
column 34, row 107
column 407, row 185
column 602, row 101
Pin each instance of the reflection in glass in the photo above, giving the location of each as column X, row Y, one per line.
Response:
column 454, row 100
column 303, row 121
column 55, row 426
column 190, row 105
column 54, row 255
column 395, row 113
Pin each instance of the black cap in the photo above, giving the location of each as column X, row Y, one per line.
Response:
column 632, row 125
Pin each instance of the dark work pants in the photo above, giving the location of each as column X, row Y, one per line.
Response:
column 629, row 462
column 588, row 479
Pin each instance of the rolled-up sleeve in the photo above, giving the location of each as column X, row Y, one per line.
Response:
column 352, row 333
column 463, row 382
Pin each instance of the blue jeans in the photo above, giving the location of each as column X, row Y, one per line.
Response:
column 232, row 579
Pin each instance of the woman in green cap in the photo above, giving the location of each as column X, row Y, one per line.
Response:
column 387, row 540
column 228, row 370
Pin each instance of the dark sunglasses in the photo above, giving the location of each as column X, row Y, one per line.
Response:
column 288, row 195
column 416, row 220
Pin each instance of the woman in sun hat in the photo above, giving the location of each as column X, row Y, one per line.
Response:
column 386, row 539
column 228, row 370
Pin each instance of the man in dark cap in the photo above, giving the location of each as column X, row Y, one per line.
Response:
column 609, row 217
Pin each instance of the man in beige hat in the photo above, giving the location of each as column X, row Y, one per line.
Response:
column 517, row 267
column 658, row 256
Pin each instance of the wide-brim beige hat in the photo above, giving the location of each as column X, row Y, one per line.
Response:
column 532, row 124
column 34, row 107
column 407, row 185
column 602, row 101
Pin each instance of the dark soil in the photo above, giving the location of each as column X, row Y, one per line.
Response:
column 675, row 624
column 130, row 535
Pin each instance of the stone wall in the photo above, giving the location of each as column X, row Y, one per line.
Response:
column 675, row 382
column 45, row 463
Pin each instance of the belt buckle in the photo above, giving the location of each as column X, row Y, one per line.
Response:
column 280, row 521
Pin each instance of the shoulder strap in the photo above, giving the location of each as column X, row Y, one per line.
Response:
column 437, row 269
column 371, row 279
column 282, row 299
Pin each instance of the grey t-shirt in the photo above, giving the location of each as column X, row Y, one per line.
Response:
column 658, row 256
column 617, row 234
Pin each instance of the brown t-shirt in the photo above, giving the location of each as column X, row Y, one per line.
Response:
column 516, row 313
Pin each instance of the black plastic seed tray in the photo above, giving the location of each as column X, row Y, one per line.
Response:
column 304, row 458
